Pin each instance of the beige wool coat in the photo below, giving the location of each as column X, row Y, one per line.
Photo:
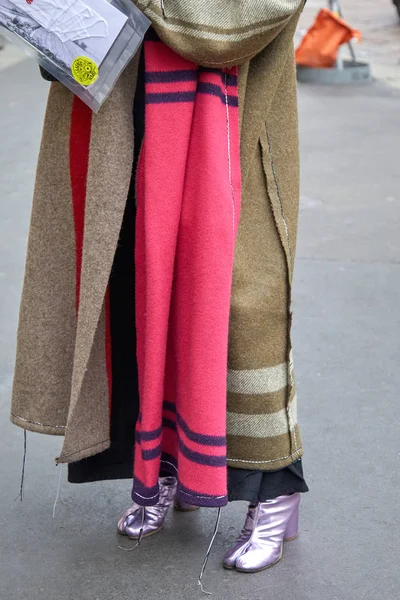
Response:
column 60, row 384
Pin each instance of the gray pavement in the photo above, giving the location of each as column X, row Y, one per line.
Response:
column 347, row 356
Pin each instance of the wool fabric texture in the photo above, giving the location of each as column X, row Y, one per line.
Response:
column 63, row 370
column 188, row 205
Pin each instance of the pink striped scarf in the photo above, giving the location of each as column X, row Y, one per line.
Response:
column 188, row 195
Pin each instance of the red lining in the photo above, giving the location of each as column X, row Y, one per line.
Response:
column 79, row 145
column 79, row 151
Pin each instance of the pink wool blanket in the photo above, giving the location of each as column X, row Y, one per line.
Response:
column 188, row 205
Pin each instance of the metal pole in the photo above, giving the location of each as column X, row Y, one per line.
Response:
column 334, row 6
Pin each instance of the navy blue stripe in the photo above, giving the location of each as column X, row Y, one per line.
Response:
column 169, row 406
column 170, row 424
column 151, row 454
column 188, row 75
column 202, row 88
column 170, row 97
column 170, row 76
column 229, row 79
column 199, row 499
column 202, row 459
column 200, row 438
column 214, row 90
column 143, row 495
column 149, row 436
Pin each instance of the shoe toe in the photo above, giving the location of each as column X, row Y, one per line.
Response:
column 254, row 560
column 132, row 532
column 229, row 561
column 130, row 523
column 232, row 556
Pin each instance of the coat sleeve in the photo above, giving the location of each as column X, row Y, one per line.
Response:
column 219, row 33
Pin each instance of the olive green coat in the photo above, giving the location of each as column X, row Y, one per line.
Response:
column 60, row 384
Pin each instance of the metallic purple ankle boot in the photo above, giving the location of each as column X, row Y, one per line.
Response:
column 276, row 521
column 243, row 540
column 150, row 519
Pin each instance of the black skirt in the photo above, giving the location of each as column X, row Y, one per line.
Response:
column 259, row 486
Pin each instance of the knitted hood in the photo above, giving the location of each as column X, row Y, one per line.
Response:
column 218, row 33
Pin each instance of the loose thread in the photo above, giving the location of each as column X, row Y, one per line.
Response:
column 203, row 569
column 139, row 540
column 58, row 492
column 21, row 489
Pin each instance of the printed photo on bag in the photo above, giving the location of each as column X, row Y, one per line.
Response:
column 64, row 30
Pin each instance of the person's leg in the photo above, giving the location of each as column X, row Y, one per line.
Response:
column 274, row 522
column 272, row 516
column 139, row 522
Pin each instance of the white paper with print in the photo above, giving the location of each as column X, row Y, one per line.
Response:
column 65, row 29
column 84, row 44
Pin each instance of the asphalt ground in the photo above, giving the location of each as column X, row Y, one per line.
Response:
column 347, row 290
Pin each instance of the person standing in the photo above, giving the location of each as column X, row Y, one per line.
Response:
column 192, row 162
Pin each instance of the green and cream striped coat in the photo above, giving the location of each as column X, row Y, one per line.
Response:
column 60, row 382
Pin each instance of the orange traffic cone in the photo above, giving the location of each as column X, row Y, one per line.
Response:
column 319, row 47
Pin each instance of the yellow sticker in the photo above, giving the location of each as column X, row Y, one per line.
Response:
column 84, row 70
